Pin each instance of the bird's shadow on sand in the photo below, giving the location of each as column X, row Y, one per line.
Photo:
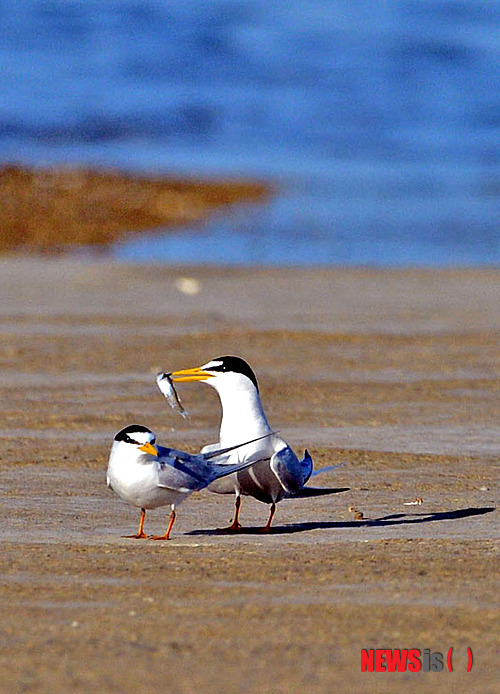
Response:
column 308, row 492
column 393, row 519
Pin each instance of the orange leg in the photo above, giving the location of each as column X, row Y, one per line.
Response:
column 235, row 525
column 140, row 534
column 167, row 534
column 267, row 527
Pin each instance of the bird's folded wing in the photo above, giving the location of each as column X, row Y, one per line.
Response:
column 182, row 475
column 172, row 453
column 290, row 471
column 191, row 472
column 224, row 469
column 215, row 451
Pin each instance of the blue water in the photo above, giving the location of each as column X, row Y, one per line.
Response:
column 377, row 121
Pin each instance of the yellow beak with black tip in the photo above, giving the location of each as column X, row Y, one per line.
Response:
column 148, row 448
column 186, row 375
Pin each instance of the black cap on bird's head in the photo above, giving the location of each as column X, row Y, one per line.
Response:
column 226, row 364
column 138, row 435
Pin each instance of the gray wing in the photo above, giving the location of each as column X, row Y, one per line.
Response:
column 191, row 475
column 167, row 454
column 190, row 472
column 182, row 475
column 307, row 466
column 219, row 470
column 214, row 451
column 181, row 471
column 291, row 472
column 211, row 450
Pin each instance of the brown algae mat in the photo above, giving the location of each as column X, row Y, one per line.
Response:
column 46, row 209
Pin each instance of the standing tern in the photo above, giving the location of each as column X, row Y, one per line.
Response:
column 148, row 475
column 279, row 473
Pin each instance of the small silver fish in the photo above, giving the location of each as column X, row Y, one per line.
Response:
column 166, row 385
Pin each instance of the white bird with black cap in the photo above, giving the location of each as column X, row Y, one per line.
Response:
column 148, row 475
column 279, row 472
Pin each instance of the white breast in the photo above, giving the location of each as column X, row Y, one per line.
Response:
column 137, row 483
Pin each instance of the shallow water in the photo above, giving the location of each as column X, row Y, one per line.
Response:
column 377, row 122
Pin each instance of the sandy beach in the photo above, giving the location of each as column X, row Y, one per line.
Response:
column 394, row 373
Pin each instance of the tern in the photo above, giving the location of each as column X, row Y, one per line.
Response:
column 148, row 475
column 279, row 472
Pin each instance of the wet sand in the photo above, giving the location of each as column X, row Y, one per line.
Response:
column 394, row 373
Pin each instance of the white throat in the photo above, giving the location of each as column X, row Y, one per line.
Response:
column 242, row 415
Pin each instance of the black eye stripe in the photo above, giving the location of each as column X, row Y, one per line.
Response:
column 128, row 439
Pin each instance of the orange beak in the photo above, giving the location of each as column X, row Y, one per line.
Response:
column 148, row 448
column 186, row 375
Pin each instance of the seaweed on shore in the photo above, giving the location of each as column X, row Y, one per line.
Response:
column 46, row 210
